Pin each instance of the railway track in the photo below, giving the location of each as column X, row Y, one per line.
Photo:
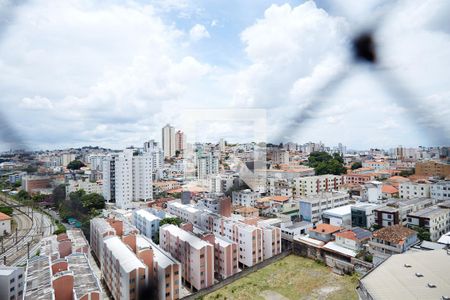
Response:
column 30, row 230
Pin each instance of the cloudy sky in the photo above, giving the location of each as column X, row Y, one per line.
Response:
column 112, row 73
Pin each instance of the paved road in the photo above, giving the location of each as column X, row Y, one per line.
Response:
column 31, row 229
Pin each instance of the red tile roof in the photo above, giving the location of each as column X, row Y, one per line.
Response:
column 389, row 189
column 396, row 234
column 326, row 228
column 4, row 217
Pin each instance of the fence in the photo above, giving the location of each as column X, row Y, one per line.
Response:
column 237, row 276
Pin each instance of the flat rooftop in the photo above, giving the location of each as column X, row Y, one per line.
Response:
column 429, row 212
column 392, row 280
column 163, row 258
column 123, row 254
column 38, row 282
column 84, row 279
column 77, row 238
column 147, row 215
column 339, row 211
column 185, row 236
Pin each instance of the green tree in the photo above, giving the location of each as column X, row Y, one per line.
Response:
column 59, row 194
column 6, row 210
column 422, row 233
column 175, row 221
column 324, row 163
column 93, row 201
column 406, row 173
column 75, row 165
column 356, row 165
column 23, row 195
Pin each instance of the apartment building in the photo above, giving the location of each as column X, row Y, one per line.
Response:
column 220, row 183
column 168, row 141
column 440, row 190
column 123, row 273
column 435, row 220
column 377, row 165
column 313, row 185
column 410, row 190
column 187, row 213
column 226, row 254
column 432, row 168
column 279, row 187
column 99, row 229
column 31, row 183
column 146, row 222
column 157, row 154
column 271, row 237
column 84, row 184
column 390, row 240
column 280, row 157
column 312, row 207
column 11, row 283
column 244, row 198
column 180, row 141
column 363, row 214
column 358, row 178
column 217, row 203
column 109, row 178
column 249, row 238
column 196, row 256
column 164, row 270
column 207, row 164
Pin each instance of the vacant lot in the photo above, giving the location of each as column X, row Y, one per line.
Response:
column 292, row 278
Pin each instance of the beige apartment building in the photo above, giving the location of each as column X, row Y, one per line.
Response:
column 124, row 274
column 196, row 255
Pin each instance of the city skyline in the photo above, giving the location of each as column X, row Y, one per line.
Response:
column 164, row 58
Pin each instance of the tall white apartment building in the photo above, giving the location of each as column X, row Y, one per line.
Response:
column 157, row 158
column 410, row 190
column 280, row 157
column 96, row 161
column 109, row 178
column 196, row 256
column 146, row 222
column 11, row 283
column 440, row 190
column 133, row 177
column 168, row 141
column 220, row 183
column 207, row 164
column 123, row 272
column 313, row 185
column 66, row 158
column 244, row 198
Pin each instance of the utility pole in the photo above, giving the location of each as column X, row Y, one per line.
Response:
column 28, row 247
column 16, row 235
